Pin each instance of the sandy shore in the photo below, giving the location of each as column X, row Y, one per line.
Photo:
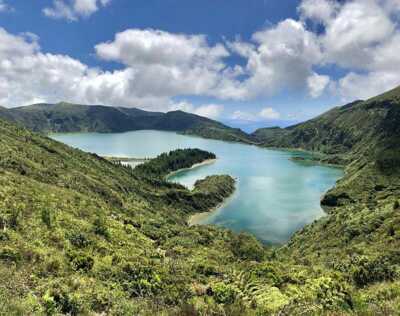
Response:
column 197, row 218
column 196, row 165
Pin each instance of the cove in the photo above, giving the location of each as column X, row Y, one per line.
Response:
column 275, row 196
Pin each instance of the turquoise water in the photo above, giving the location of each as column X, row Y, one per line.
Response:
column 275, row 196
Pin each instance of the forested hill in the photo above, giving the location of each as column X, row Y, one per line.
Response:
column 368, row 128
column 67, row 117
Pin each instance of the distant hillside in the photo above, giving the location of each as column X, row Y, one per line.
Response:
column 67, row 117
column 359, row 128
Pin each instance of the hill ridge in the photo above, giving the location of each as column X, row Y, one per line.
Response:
column 71, row 117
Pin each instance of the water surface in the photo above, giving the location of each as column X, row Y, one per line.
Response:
column 275, row 196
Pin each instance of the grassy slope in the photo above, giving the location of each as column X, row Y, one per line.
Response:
column 66, row 117
column 83, row 234
column 74, row 227
column 361, row 235
column 79, row 235
column 356, row 128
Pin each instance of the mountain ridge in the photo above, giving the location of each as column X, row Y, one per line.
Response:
column 342, row 131
column 68, row 117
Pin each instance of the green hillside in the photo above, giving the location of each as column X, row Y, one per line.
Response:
column 361, row 235
column 358, row 128
column 81, row 235
column 67, row 117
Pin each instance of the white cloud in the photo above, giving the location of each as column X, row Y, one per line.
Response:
column 212, row 111
column 151, row 86
column 239, row 115
column 166, row 64
column 353, row 34
column 59, row 77
column 85, row 7
column 319, row 10
column 269, row 114
column 72, row 10
column 282, row 57
column 148, row 47
column 362, row 37
column 265, row 114
column 356, row 86
column 317, row 84
column 4, row 7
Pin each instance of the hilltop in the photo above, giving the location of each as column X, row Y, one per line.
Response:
column 67, row 117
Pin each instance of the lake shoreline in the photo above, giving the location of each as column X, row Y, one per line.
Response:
column 195, row 219
column 125, row 159
column 196, row 165
column 270, row 179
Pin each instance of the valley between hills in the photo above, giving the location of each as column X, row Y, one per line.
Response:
column 80, row 234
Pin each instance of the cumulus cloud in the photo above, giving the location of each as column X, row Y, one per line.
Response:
column 72, row 10
column 361, row 37
column 269, row 114
column 148, row 47
column 318, row 10
column 29, row 75
column 353, row 34
column 317, row 84
column 356, row 86
column 280, row 58
column 142, row 83
column 265, row 114
column 167, row 64
column 60, row 77
column 212, row 111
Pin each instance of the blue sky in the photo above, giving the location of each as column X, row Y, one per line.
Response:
column 250, row 63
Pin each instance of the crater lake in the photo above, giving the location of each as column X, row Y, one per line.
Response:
column 275, row 196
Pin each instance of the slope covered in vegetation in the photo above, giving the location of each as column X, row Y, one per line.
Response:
column 360, row 237
column 358, row 128
column 67, row 117
column 82, row 235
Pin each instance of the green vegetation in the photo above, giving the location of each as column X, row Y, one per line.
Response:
column 173, row 161
column 83, row 235
column 67, row 117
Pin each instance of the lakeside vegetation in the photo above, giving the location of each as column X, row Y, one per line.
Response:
column 83, row 235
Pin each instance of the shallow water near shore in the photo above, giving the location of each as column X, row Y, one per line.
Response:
column 274, row 196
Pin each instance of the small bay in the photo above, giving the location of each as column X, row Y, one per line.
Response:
column 275, row 196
